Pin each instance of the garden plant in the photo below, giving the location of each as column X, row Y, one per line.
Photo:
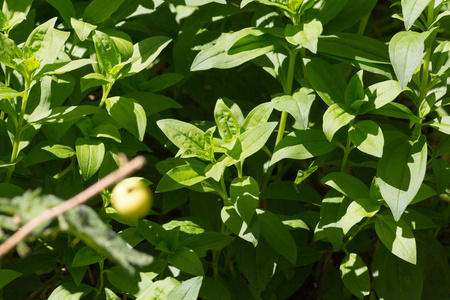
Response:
column 274, row 149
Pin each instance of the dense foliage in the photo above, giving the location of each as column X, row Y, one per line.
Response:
column 298, row 149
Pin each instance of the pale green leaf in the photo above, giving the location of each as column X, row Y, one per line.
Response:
column 90, row 155
column 397, row 237
column 400, row 173
column 335, row 117
column 367, row 136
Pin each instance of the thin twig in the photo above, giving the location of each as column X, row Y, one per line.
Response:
column 48, row 214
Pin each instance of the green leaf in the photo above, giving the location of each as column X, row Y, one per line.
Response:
column 70, row 291
column 397, row 237
column 9, row 190
column 347, row 185
column 135, row 285
column 99, row 10
column 251, row 141
column 43, row 152
column 382, row 93
column 184, row 135
column 298, row 105
column 326, row 82
column 159, row 290
column 205, row 241
column 234, row 49
column 106, row 130
column 440, row 59
column 7, row 92
column 441, row 169
column 306, row 34
column 82, row 29
column 93, row 80
column 361, row 51
column 355, row 89
column 182, row 176
column 258, row 115
column 90, row 155
column 237, row 226
column 302, row 144
column 411, row 10
column 442, row 124
column 63, row 67
column 395, row 110
column 226, row 122
column 332, row 210
column 335, row 117
column 64, row 114
column 153, row 103
column 107, row 54
column 9, row 52
column 277, row 235
column 110, row 295
column 6, row 276
column 358, row 210
column 161, row 82
column 187, row 261
column 86, row 256
column 188, row 290
column 353, row 12
column 406, row 51
column 244, row 194
column 129, row 114
column 16, row 11
column 65, row 9
column 367, row 136
column 46, row 42
column 146, row 51
column 256, row 264
column 400, row 173
column 355, row 275
column 394, row 278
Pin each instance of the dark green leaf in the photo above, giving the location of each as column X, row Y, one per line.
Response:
column 277, row 235
column 355, row 275
column 187, row 261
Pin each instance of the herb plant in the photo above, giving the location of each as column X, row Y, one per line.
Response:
column 298, row 149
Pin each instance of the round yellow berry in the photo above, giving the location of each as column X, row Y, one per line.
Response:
column 132, row 198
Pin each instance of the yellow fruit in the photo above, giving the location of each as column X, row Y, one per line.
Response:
column 132, row 198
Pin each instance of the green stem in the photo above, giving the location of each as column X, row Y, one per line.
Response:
column 347, row 150
column 100, row 287
column 287, row 89
column 66, row 170
column 425, row 75
column 106, row 89
column 18, row 130
column 363, row 24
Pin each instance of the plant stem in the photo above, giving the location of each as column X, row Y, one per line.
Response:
column 106, row 89
column 363, row 24
column 66, row 170
column 425, row 75
column 100, row 288
column 287, row 89
column 347, row 150
column 18, row 130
